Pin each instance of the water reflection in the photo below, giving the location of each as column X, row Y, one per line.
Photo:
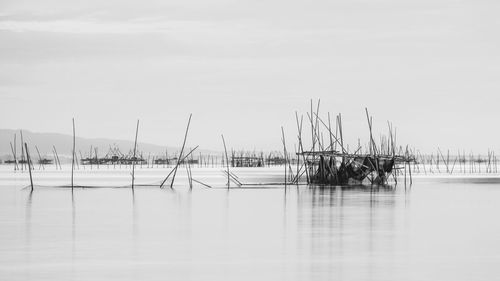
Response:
column 73, row 234
column 28, row 230
column 305, row 233
column 324, row 196
column 335, row 222
column 314, row 228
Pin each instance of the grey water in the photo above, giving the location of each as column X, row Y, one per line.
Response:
column 437, row 229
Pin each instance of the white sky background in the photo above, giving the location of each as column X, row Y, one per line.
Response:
column 243, row 68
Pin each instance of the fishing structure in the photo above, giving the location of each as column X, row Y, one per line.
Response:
column 332, row 163
column 248, row 159
column 113, row 157
column 327, row 161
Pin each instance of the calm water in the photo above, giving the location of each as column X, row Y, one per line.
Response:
column 440, row 229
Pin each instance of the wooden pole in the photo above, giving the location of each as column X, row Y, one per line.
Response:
column 339, row 123
column 409, row 165
column 166, row 158
column 22, row 152
column 90, row 156
column 405, row 172
column 330, row 131
column 180, row 156
column 135, row 150
column 16, row 167
column 312, row 127
column 14, row 155
column 76, row 161
column 316, row 126
column 182, row 151
column 185, row 157
column 29, row 164
column 57, row 157
column 96, row 158
column 284, row 152
column 40, row 163
column 73, row 158
column 227, row 161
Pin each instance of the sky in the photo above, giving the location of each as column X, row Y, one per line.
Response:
column 243, row 68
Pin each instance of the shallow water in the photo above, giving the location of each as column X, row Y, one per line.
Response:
column 439, row 229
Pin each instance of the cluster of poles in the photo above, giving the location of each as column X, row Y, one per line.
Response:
column 458, row 163
column 331, row 162
column 116, row 159
column 182, row 158
column 20, row 163
column 327, row 161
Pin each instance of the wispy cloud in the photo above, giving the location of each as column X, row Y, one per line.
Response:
column 90, row 26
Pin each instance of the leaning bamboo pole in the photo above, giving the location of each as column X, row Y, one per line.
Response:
column 57, row 157
column 22, row 152
column 316, row 126
column 284, row 150
column 344, row 151
column 29, row 165
column 14, row 155
column 180, row 156
column 330, row 131
column 135, row 150
column 16, row 167
column 182, row 160
column 40, row 162
column 227, row 161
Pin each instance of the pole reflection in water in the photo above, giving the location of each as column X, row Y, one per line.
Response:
column 27, row 232
column 342, row 226
column 73, row 233
column 307, row 233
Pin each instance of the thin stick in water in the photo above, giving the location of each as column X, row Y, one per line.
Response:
column 227, row 161
column 135, row 149
column 29, row 164
column 73, row 158
column 284, row 150
column 180, row 156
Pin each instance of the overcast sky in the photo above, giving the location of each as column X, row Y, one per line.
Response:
column 242, row 68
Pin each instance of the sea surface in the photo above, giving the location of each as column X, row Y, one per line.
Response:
column 439, row 228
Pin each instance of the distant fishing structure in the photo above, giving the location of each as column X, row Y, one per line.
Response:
column 247, row 160
column 113, row 157
column 328, row 161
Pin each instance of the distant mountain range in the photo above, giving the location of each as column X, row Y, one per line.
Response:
column 63, row 144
